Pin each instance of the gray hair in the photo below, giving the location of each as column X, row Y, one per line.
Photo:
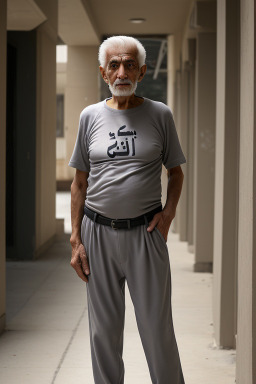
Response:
column 121, row 42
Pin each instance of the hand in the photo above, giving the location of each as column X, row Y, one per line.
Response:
column 162, row 222
column 79, row 261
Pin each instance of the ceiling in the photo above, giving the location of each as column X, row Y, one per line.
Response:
column 24, row 15
column 85, row 22
column 75, row 26
column 162, row 16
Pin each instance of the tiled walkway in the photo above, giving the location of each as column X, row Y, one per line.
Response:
column 47, row 335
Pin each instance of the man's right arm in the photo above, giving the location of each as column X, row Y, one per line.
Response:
column 79, row 260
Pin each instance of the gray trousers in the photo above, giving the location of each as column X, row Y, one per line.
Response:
column 140, row 258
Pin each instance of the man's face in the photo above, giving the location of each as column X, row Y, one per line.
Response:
column 122, row 71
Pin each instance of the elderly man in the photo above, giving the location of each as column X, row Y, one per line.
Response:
column 119, row 227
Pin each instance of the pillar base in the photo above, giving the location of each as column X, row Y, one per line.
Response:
column 203, row 267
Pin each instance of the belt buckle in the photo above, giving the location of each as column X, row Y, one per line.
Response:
column 113, row 224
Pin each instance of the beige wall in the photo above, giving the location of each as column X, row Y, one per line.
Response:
column 3, row 13
column 46, row 129
column 246, row 325
column 82, row 89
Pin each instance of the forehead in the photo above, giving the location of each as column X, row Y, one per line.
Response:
column 120, row 54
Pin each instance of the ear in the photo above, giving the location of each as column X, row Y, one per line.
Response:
column 142, row 72
column 103, row 74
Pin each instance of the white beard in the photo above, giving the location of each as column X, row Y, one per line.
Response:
column 123, row 92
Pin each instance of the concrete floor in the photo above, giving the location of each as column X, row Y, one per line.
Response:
column 47, row 333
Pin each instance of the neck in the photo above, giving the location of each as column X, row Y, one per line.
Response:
column 124, row 102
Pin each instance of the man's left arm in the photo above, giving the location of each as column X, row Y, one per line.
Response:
column 163, row 220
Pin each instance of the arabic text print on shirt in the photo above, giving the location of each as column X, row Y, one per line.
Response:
column 124, row 144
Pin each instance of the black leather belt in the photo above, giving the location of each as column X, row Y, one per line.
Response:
column 121, row 223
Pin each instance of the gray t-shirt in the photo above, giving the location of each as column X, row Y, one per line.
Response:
column 123, row 151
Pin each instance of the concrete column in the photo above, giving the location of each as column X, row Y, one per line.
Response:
column 170, row 71
column 82, row 90
column 177, row 109
column 226, row 173
column 246, row 320
column 46, row 131
column 190, row 145
column 3, row 17
column 205, row 102
column 183, row 135
column 170, row 100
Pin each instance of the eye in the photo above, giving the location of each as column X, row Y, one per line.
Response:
column 113, row 65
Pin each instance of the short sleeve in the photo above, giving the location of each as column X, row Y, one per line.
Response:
column 172, row 152
column 80, row 158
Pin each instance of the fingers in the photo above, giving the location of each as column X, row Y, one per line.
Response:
column 158, row 222
column 77, row 267
column 85, row 264
column 80, row 263
column 81, row 274
column 153, row 222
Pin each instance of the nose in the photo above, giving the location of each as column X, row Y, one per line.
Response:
column 121, row 72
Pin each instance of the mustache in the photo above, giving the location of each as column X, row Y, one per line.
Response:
column 120, row 81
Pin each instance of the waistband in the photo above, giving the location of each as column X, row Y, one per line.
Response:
column 122, row 223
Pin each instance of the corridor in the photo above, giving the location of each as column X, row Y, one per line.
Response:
column 47, row 333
